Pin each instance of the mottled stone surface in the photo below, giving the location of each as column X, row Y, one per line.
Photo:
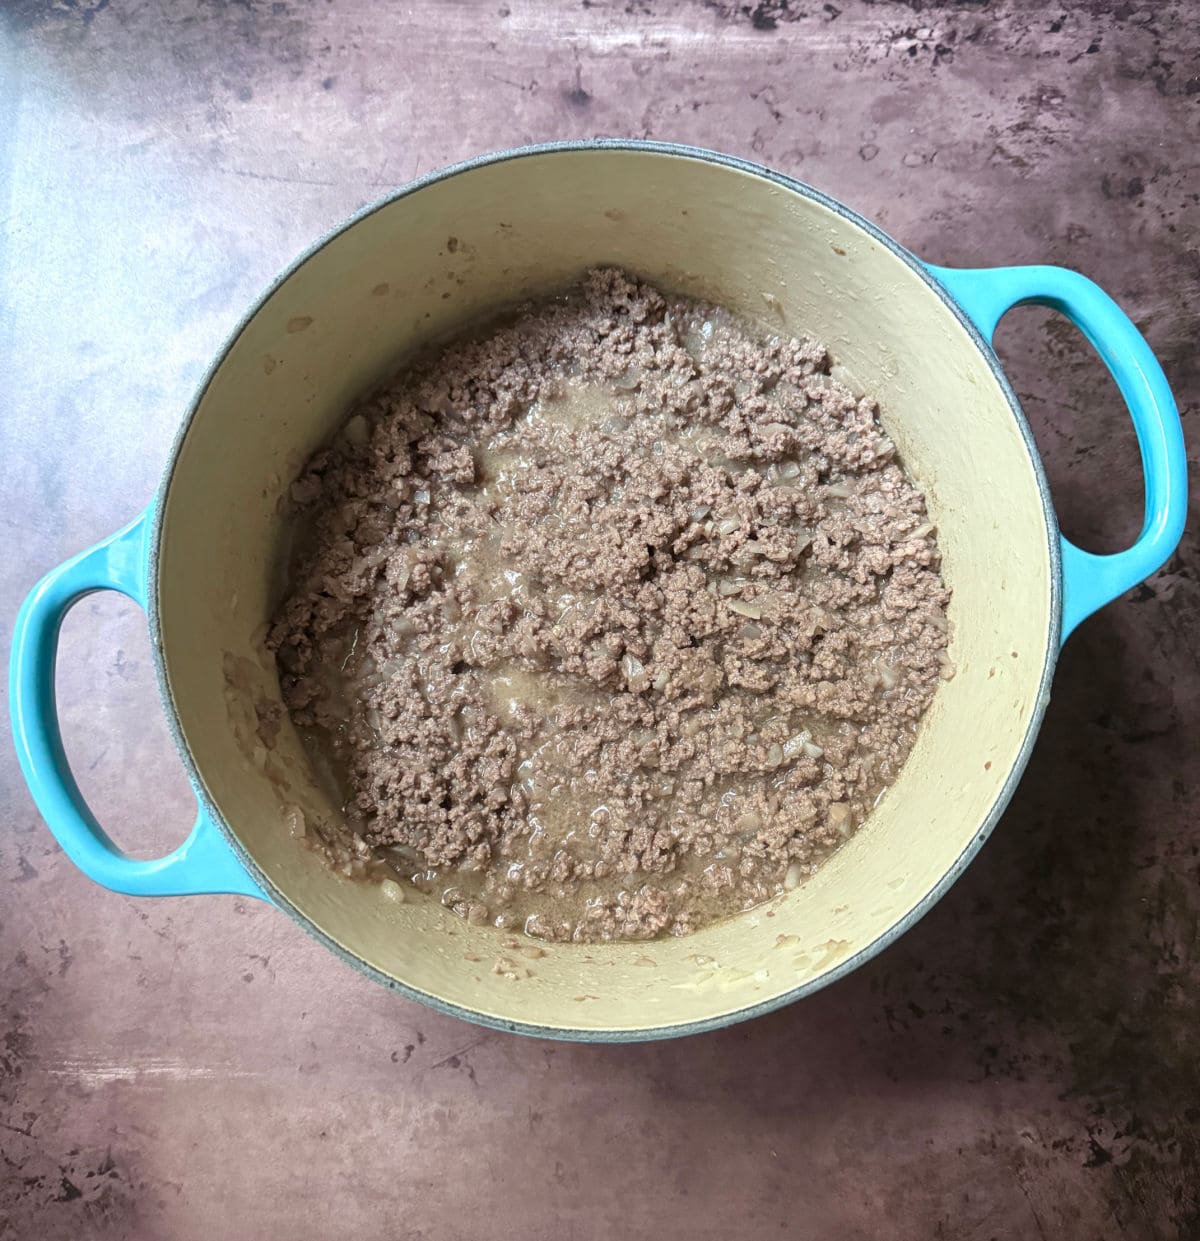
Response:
column 1024, row 1064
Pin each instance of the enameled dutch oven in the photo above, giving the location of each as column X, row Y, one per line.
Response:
column 203, row 560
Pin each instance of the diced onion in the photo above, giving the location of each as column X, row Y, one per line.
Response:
column 839, row 818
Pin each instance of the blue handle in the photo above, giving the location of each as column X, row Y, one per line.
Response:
column 1090, row 581
column 204, row 863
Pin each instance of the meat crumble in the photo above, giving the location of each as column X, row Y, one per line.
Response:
column 612, row 620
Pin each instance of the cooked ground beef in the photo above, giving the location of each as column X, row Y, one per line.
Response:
column 612, row 620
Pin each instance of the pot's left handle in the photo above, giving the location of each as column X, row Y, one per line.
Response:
column 204, row 863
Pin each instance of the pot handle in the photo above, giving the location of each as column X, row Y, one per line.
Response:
column 1091, row 581
column 204, row 863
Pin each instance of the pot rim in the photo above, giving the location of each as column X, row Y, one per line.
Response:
column 917, row 911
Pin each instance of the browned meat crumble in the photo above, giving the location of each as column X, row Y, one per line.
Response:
column 613, row 620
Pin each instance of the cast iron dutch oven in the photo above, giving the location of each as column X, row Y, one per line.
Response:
column 203, row 559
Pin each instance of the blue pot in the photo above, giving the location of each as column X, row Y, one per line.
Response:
column 203, row 556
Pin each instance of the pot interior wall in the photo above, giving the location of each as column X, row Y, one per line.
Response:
column 431, row 260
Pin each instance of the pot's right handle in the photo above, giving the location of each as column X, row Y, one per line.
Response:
column 204, row 863
column 1091, row 581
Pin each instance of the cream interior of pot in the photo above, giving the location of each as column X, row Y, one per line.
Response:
column 440, row 256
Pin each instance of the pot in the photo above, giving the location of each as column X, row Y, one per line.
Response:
column 204, row 561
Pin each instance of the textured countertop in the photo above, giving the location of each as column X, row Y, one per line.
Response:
column 1023, row 1064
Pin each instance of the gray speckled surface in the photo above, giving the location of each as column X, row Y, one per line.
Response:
column 1023, row 1064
